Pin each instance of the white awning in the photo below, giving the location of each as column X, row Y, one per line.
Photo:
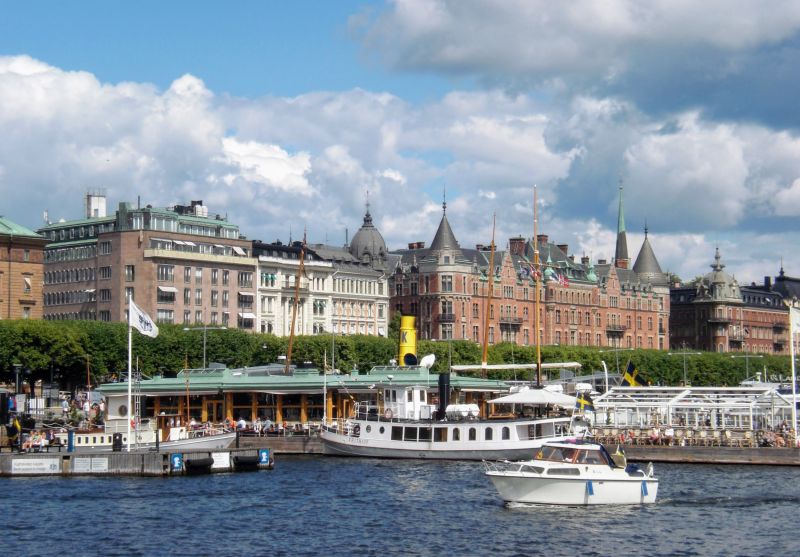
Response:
column 167, row 289
column 536, row 396
column 179, row 242
column 190, row 244
column 89, row 290
column 238, row 250
column 163, row 240
column 220, row 246
column 247, row 315
column 27, row 282
column 246, row 294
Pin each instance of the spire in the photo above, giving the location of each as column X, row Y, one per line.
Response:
column 621, row 259
column 367, row 216
column 444, row 199
column 717, row 265
column 646, row 265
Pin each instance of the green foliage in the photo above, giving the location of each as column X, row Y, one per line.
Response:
column 65, row 347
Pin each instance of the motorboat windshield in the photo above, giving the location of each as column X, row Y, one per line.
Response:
column 592, row 454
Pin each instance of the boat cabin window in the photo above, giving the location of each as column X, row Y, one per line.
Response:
column 557, row 454
column 506, row 433
column 424, row 434
column 440, row 434
column 410, row 434
column 397, row 433
column 591, row 457
column 410, row 396
column 487, row 434
column 456, row 435
column 473, row 434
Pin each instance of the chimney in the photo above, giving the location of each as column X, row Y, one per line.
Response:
column 602, row 261
column 571, row 258
column 542, row 238
column 517, row 245
column 420, row 245
column 564, row 248
column 585, row 260
column 412, row 245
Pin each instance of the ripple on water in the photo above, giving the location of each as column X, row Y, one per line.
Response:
column 332, row 506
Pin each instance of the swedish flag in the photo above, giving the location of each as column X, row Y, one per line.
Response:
column 633, row 377
column 583, row 402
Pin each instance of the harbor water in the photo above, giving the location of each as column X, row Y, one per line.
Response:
column 335, row 506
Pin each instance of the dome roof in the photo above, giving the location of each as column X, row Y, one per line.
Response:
column 368, row 244
column 719, row 285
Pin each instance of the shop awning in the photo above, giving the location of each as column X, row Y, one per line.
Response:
column 247, row 315
column 246, row 294
column 238, row 250
column 168, row 289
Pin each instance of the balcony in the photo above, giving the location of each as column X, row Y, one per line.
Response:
column 615, row 329
column 446, row 317
column 719, row 320
column 507, row 320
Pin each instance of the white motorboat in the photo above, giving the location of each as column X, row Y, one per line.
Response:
column 405, row 426
column 573, row 474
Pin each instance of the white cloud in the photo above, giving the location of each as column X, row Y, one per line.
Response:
column 268, row 165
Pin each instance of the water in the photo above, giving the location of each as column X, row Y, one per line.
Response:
column 365, row 507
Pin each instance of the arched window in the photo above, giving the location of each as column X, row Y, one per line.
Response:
column 487, row 434
column 506, row 433
column 473, row 434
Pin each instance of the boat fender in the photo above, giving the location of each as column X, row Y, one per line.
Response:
column 644, row 488
column 388, row 414
column 589, row 488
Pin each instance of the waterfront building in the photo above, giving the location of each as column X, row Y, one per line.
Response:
column 21, row 268
column 269, row 392
column 719, row 315
column 180, row 265
column 446, row 287
column 343, row 290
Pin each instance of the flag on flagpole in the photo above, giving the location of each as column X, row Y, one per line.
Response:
column 794, row 319
column 140, row 321
column 562, row 280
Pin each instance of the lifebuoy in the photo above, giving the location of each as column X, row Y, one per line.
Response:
column 357, row 430
column 388, row 414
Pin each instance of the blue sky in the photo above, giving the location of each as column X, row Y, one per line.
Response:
column 284, row 114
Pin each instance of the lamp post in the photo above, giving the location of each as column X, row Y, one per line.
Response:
column 684, row 353
column 17, row 369
column 205, row 329
column 747, row 362
column 616, row 352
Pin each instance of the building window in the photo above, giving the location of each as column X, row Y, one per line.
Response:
column 226, row 317
column 398, row 289
column 225, row 277
column 187, row 296
column 129, row 294
column 166, row 273
column 165, row 297
column 447, row 283
column 104, row 248
column 104, row 295
column 198, row 316
column 224, row 299
column 187, row 274
column 198, row 275
column 214, row 298
column 198, row 296
column 26, row 285
column 187, row 316
column 245, row 279
column 105, row 272
column 104, row 315
column 130, row 273
column 165, row 316
column 26, row 256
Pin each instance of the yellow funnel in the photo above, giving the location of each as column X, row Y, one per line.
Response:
column 408, row 341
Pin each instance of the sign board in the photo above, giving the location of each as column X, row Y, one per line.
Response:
column 89, row 465
column 35, row 466
column 222, row 461
column 176, row 462
column 263, row 457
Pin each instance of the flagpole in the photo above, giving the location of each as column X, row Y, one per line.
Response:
column 130, row 378
column 792, row 318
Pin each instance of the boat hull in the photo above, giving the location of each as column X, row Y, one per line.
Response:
column 210, row 442
column 375, row 440
column 535, row 489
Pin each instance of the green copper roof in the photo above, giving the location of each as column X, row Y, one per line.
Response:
column 258, row 379
column 11, row 228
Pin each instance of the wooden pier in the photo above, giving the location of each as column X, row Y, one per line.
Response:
column 135, row 463
column 769, row 456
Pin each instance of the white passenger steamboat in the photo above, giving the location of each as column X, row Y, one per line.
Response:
column 401, row 423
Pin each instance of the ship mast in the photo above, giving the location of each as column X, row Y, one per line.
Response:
column 536, row 276
column 294, row 305
column 490, row 278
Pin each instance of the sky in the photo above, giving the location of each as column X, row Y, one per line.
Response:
column 287, row 116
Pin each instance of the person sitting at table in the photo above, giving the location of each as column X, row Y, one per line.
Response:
column 669, row 434
column 655, row 436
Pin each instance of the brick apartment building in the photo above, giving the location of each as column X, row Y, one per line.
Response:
column 21, row 268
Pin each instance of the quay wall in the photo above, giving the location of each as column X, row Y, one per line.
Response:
column 109, row 463
column 713, row 455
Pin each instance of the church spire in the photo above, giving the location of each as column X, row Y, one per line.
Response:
column 621, row 259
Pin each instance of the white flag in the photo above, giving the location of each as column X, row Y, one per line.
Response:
column 794, row 320
column 140, row 321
